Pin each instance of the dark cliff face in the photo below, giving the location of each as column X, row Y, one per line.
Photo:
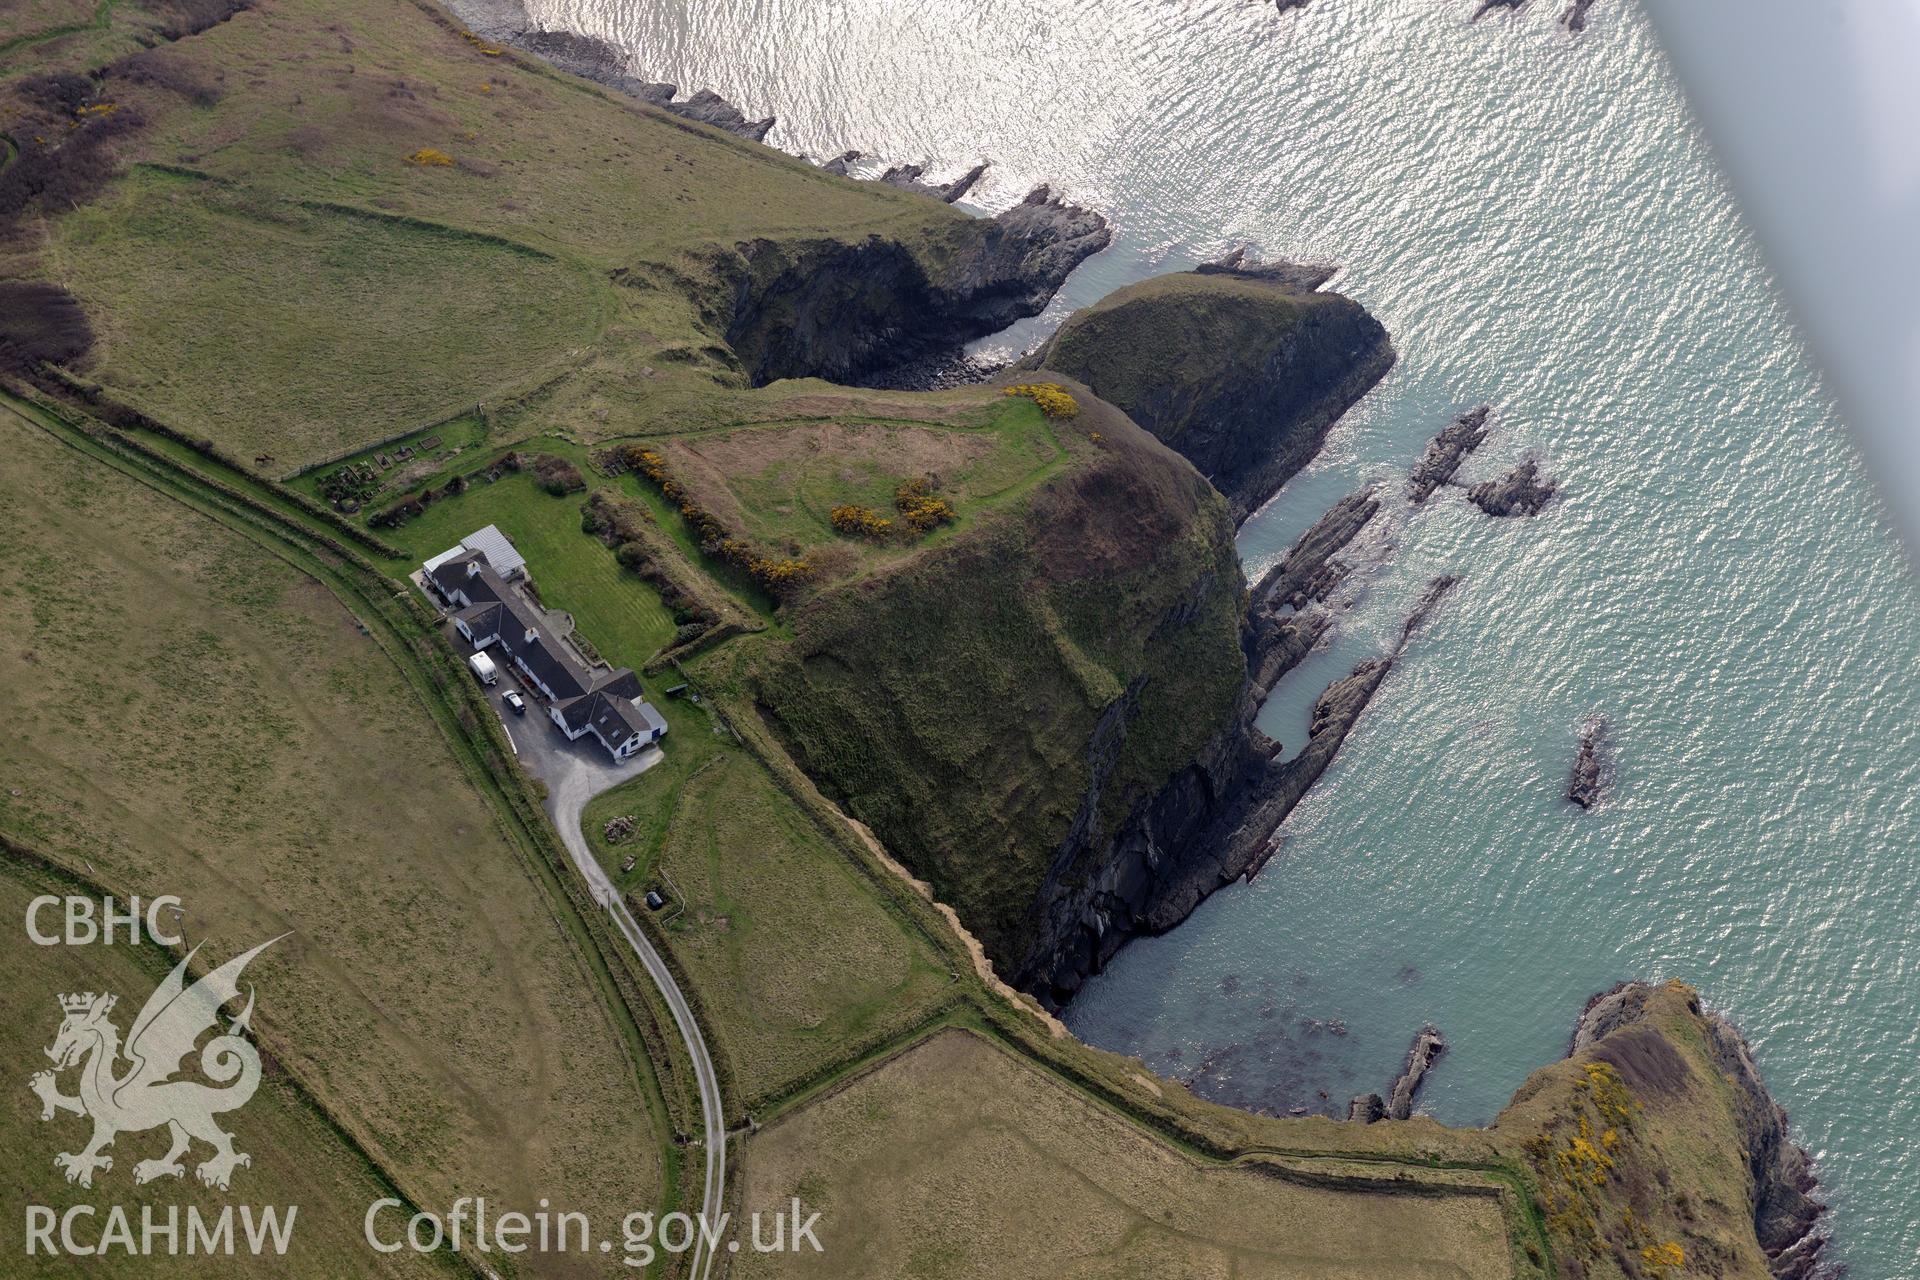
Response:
column 1216, row 819
column 844, row 311
column 1242, row 370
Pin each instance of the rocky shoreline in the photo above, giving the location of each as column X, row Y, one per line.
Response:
column 1216, row 822
column 851, row 312
column 864, row 314
column 1787, row 1220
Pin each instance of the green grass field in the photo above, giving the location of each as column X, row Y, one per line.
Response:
column 299, row 1158
column 229, row 315
column 811, row 961
column 778, row 482
column 991, row 1168
column 314, row 289
column 192, row 716
column 620, row 614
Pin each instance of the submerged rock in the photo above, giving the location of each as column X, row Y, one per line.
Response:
column 1446, row 452
column 1488, row 6
column 1575, row 17
column 1523, row 491
column 1426, row 1050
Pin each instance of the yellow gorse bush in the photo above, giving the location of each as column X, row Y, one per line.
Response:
column 779, row 577
column 1667, row 1254
column 862, row 521
column 919, row 507
column 430, row 156
column 1053, row 399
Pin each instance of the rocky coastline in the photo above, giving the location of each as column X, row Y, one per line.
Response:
column 1787, row 1220
column 851, row 312
column 1215, row 822
column 869, row 313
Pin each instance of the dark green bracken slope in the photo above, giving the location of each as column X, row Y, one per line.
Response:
column 1242, row 370
column 1013, row 694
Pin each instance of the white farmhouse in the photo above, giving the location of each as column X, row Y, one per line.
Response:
column 607, row 704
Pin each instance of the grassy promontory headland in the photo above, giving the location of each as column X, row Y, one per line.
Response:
column 1241, row 368
column 292, row 293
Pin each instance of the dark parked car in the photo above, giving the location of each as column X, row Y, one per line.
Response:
column 514, row 700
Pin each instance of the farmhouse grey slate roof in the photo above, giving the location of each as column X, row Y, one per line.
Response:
column 610, row 702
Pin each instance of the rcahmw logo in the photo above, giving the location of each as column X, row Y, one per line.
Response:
column 159, row 1077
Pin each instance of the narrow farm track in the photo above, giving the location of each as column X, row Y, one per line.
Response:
column 566, row 803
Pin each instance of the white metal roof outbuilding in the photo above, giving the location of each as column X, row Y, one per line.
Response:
column 490, row 542
column 493, row 544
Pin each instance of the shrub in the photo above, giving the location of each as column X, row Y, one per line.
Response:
column 864, row 522
column 556, row 475
column 1053, row 399
column 61, row 156
column 612, row 519
column 920, row 507
column 432, row 157
column 40, row 323
column 782, row 578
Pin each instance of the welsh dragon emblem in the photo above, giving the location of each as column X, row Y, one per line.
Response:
column 146, row 1094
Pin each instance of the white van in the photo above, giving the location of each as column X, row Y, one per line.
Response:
column 483, row 667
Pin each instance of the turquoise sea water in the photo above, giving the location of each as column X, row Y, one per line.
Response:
column 1539, row 225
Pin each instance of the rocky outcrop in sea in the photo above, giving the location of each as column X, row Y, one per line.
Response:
column 1446, row 452
column 1523, row 491
column 1574, row 18
column 1426, row 1050
column 1282, row 624
column 1588, row 782
column 908, row 177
